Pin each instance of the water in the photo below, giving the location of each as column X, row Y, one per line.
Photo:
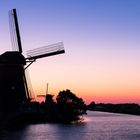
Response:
column 97, row 126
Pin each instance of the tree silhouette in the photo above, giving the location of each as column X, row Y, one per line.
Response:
column 91, row 106
column 70, row 107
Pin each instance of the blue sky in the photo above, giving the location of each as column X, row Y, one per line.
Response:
column 102, row 42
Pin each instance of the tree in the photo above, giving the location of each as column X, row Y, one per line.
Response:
column 70, row 107
column 91, row 106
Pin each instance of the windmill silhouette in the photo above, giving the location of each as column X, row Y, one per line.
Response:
column 13, row 83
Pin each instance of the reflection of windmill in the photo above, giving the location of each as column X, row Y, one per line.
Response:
column 13, row 84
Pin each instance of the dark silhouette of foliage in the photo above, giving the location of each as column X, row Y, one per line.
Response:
column 126, row 108
column 67, row 108
column 91, row 106
column 70, row 107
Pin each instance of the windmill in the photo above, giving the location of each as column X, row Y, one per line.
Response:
column 13, row 83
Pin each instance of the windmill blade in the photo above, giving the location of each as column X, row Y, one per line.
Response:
column 30, row 93
column 14, row 31
column 46, row 51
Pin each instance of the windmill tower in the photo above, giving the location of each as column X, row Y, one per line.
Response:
column 13, row 84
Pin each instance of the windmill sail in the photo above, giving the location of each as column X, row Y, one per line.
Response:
column 46, row 51
column 14, row 30
column 17, row 46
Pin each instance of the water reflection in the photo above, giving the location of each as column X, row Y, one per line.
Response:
column 53, row 131
column 13, row 133
column 97, row 126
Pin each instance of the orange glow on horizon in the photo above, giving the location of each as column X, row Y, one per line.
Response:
column 114, row 95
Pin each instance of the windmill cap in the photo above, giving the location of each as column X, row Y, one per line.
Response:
column 11, row 57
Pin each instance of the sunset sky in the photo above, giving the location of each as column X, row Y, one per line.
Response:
column 101, row 40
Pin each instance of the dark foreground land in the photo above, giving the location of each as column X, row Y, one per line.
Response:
column 126, row 108
column 66, row 109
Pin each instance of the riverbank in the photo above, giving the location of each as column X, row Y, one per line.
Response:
column 127, row 108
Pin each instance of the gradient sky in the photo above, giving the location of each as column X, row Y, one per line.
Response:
column 101, row 39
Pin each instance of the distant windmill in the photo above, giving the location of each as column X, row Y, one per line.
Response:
column 13, row 84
